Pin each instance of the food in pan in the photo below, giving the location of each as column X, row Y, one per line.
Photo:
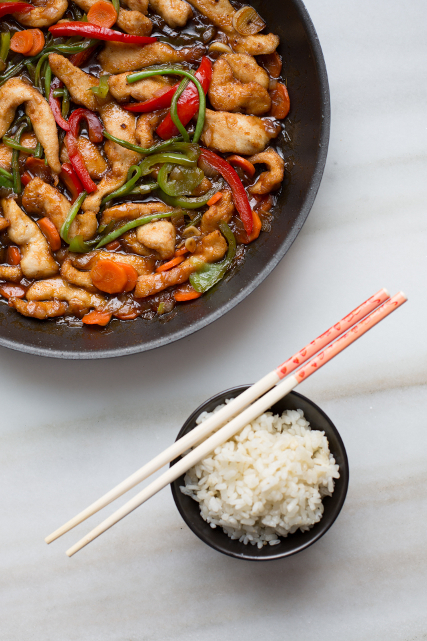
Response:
column 266, row 482
column 139, row 155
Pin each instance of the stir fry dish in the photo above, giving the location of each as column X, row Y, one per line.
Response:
column 138, row 154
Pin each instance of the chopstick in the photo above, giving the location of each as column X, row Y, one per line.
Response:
column 249, row 414
column 226, row 413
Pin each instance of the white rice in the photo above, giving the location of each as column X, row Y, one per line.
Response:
column 266, row 482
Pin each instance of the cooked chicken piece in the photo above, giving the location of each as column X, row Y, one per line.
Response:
column 175, row 13
column 145, row 126
column 132, row 244
column 228, row 92
column 220, row 12
column 117, row 57
column 77, row 277
column 43, row 199
column 46, row 13
column 141, row 90
column 40, row 309
column 271, row 179
column 78, row 82
column 222, row 211
column 94, row 161
column 119, row 123
column 159, row 235
column 142, row 265
column 57, row 288
column 27, row 140
column 203, row 188
column 137, row 5
column 4, row 224
column 131, row 211
column 36, row 261
column 15, row 92
column 246, row 69
column 237, row 133
column 10, row 272
column 211, row 249
column 134, row 22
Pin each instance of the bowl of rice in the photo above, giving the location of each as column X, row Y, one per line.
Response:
column 273, row 489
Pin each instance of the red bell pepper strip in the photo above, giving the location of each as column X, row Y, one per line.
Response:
column 188, row 104
column 88, row 30
column 229, row 174
column 81, row 58
column 78, row 163
column 55, row 106
column 14, row 7
column 71, row 180
column 93, row 123
column 157, row 102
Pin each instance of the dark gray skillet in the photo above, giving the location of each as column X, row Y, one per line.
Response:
column 308, row 127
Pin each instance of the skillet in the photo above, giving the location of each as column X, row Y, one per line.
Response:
column 307, row 127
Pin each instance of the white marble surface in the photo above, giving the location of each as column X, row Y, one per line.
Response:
column 71, row 430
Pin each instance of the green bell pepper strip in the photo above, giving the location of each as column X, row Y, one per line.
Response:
column 189, row 180
column 134, row 174
column 210, row 273
column 37, row 75
column 174, row 110
column 140, row 150
column 17, row 186
column 168, row 157
column 143, row 189
column 135, row 223
column 139, row 75
column 102, row 89
column 185, row 201
column 11, row 142
column 64, row 231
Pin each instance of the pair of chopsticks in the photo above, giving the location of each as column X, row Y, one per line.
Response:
column 239, row 412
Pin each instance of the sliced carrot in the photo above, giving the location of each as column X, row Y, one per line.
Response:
column 181, row 251
column 102, row 14
column 38, row 42
column 51, row 233
column 11, row 290
column 97, row 318
column 256, row 229
column 109, row 276
column 172, row 263
column 13, row 255
column 186, row 292
column 280, row 103
column 115, row 244
column 22, row 41
column 272, row 63
column 214, row 199
column 132, row 276
column 243, row 163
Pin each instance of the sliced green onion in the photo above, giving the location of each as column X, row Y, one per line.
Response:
column 134, row 174
column 5, row 183
column 47, row 80
column 64, row 231
column 140, row 75
column 65, row 108
column 37, row 75
column 116, row 5
column 80, row 246
column 17, row 186
column 135, row 223
column 10, row 142
column 210, row 273
column 174, row 110
column 39, row 151
column 101, row 90
column 6, row 174
column 141, row 150
column 58, row 93
column 4, row 49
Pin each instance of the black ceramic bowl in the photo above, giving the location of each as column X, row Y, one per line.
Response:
column 307, row 130
column 216, row 538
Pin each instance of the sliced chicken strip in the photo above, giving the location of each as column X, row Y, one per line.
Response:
column 145, row 127
column 27, row 140
column 78, row 82
column 43, row 199
column 271, row 179
column 15, row 92
column 94, row 161
column 118, row 58
column 40, row 309
column 141, row 90
column 237, row 133
column 228, row 93
column 220, row 12
column 142, row 265
column 175, row 13
column 159, row 235
column 57, row 288
column 46, row 13
column 211, row 249
column 76, row 277
column 220, row 212
column 134, row 22
column 11, row 272
column 131, row 211
column 246, row 69
column 37, row 260
column 132, row 244
column 137, row 5
column 4, row 224
column 119, row 123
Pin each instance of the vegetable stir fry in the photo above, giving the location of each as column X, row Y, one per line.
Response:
column 137, row 154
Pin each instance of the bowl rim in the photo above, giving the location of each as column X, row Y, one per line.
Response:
column 344, row 474
column 214, row 315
